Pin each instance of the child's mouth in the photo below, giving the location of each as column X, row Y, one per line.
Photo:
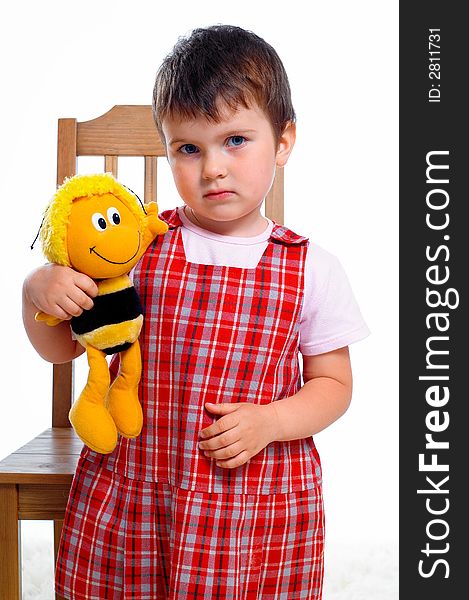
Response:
column 218, row 194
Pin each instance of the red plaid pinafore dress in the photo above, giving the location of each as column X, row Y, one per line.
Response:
column 158, row 520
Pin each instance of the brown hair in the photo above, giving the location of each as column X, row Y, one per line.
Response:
column 222, row 64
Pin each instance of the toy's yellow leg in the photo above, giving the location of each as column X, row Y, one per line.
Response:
column 88, row 415
column 122, row 400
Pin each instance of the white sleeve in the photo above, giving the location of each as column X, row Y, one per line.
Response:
column 331, row 318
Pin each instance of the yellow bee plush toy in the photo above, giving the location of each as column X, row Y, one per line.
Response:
column 97, row 226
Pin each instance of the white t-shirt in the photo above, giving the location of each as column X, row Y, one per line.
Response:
column 330, row 318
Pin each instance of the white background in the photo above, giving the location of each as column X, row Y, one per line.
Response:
column 78, row 59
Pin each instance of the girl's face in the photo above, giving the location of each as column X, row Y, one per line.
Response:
column 223, row 171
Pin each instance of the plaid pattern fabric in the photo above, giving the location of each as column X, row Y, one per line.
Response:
column 216, row 334
column 156, row 519
column 127, row 539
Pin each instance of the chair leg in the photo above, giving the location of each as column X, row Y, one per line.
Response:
column 57, row 533
column 10, row 583
column 58, row 524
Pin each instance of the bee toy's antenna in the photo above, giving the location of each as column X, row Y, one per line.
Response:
column 37, row 234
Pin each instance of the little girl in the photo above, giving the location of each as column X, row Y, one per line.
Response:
column 220, row 495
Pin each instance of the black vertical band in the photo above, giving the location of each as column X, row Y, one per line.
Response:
column 434, row 234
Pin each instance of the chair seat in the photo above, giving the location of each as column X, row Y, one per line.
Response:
column 34, row 484
column 51, row 457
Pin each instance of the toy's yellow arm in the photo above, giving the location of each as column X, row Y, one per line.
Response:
column 48, row 319
column 155, row 226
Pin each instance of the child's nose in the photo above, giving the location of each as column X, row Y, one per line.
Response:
column 214, row 166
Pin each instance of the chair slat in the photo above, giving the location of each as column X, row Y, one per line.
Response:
column 150, row 179
column 62, row 394
column 62, row 390
column 274, row 208
column 66, row 149
column 110, row 165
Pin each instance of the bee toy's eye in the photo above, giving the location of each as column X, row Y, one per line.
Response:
column 113, row 216
column 99, row 221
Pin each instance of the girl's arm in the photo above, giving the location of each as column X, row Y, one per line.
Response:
column 324, row 397
column 60, row 292
column 244, row 429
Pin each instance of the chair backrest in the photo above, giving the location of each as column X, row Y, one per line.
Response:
column 123, row 131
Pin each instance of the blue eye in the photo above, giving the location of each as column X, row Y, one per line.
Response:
column 188, row 149
column 236, row 140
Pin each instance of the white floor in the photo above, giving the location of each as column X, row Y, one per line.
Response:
column 365, row 572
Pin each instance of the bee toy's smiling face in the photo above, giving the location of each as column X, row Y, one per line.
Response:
column 103, row 236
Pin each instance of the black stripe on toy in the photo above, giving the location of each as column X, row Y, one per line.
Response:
column 116, row 349
column 108, row 309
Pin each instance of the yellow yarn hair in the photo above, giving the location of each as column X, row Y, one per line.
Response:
column 53, row 232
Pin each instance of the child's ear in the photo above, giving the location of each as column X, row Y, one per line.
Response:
column 285, row 144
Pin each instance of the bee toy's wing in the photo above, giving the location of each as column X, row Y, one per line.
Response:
column 49, row 319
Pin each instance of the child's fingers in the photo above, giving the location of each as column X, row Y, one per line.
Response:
column 66, row 309
column 227, row 452
column 220, row 440
column 233, row 463
column 86, row 284
column 73, row 308
column 59, row 312
column 224, row 424
column 223, row 408
column 81, row 299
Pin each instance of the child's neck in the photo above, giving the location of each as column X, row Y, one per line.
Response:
column 249, row 225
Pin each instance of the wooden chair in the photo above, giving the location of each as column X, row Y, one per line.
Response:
column 35, row 479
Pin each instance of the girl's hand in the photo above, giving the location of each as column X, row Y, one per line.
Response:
column 60, row 291
column 243, row 430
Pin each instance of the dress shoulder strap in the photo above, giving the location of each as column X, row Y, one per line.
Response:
column 171, row 218
column 287, row 236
